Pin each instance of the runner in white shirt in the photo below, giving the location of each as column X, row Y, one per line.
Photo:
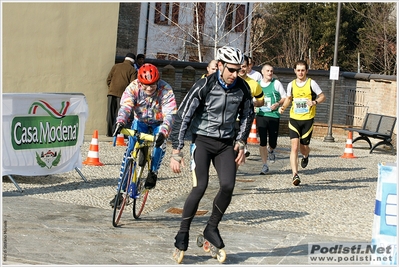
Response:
column 256, row 75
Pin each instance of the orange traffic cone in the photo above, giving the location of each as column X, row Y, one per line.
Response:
column 92, row 157
column 120, row 140
column 253, row 138
column 348, row 154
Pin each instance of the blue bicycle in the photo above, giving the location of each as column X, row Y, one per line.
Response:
column 137, row 161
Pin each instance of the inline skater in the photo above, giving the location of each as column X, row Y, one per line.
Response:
column 210, row 109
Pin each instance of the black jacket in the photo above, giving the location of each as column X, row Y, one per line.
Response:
column 210, row 110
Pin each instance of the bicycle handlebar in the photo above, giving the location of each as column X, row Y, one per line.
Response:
column 140, row 136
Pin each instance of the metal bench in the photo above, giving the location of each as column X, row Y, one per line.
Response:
column 376, row 126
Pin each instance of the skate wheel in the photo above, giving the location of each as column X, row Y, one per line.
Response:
column 221, row 255
column 200, row 240
column 214, row 253
column 207, row 246
column 178, row 255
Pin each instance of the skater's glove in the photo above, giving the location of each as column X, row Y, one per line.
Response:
column 117, row 128
column 241, row 144
column 178, row 157
column 159, row 139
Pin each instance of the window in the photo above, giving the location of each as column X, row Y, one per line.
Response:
column 199, row 11
column 193, row 58
column 166, row 13
column 175, row 13
column 162, row 56
column 240, row 16
column 228, row 25
column 200, row 7
column 235, row 18
column 166, row 56
column 173, row 57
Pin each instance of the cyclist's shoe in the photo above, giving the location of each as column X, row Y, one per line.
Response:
column 271, row 156
column 112, row 202
column 296, row 180
column 151, row 180
column 181, row 240
column 304, row 162
column 265, row 169
column 211, row 233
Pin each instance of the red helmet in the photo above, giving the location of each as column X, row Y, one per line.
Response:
column 148, row 74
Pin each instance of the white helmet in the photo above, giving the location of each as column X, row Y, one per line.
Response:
column 230, row 55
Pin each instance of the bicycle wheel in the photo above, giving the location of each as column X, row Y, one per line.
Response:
column 126, row 178
column 141, row 194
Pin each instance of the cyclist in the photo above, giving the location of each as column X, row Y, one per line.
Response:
column 209, row 111
column 153, row 103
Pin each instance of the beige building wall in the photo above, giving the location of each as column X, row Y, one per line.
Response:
column 61, row 48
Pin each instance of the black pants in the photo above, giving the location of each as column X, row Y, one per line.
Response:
column 221, row 153
column 267, row 126
column 113, row 108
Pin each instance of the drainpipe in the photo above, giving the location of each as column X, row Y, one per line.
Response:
column 248, row 27
column 146, row 29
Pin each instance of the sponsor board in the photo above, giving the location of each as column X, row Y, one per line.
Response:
column 42, row 133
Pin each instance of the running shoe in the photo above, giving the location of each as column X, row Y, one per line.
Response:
column 265, row 169
column 296, row 180
column 271, row 156
column 304, row 162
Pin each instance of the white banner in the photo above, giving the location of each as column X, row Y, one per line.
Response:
column 42, row 133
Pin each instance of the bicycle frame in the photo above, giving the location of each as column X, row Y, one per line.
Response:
column 142, row 140
column 131, row 181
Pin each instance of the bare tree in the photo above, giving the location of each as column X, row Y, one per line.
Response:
column 378, row 38
column 296, row 44
column 271, row 42
column 205, row 29
column 260, row 34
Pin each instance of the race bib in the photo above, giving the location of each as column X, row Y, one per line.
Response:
column 300, row 106
column 267, row 107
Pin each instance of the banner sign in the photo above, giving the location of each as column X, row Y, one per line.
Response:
column 42, row 133
column 386, row 211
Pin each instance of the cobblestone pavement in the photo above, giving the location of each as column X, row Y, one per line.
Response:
column 60, row 219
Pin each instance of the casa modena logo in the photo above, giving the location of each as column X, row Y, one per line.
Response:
column 45, row 129
column 48, row 159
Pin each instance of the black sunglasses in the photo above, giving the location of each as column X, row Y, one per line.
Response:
column 232, row 70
